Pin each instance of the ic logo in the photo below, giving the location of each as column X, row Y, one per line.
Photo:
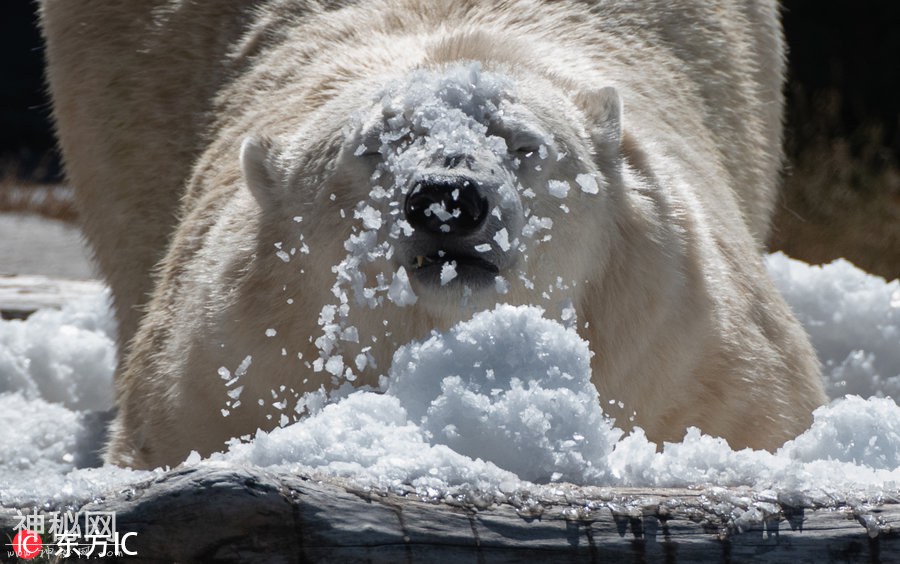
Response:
column 27, row 544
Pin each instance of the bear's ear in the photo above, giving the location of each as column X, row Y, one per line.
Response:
column 603, row 109
column 258, row 163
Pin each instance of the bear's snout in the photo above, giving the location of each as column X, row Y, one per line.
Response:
column 446, row 205
column 455, row 220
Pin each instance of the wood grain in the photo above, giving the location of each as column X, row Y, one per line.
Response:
column 231, row 513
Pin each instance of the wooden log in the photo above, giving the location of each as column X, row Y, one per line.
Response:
column 229, row 513
column 20, row 296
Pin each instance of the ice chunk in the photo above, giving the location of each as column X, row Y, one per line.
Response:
column 371, row 218
column 448, row 272
column 588, row 183
column 400, row 292
column 502, row 239
column 558, row 188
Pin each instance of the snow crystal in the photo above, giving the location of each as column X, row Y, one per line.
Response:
column 243, row 366
column 334, row 365
column 558, row 188
column 448, row 272
column 502, row 239
column 501, row 285
column 400, row 292
column 371, row 218
column 440, row 211
column 536, row 224
column 588, row 183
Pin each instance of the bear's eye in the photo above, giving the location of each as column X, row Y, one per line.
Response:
column 367, row 147
column 526, row 144
column 363, row 151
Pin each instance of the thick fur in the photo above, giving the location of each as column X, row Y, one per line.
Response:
column 154, row 101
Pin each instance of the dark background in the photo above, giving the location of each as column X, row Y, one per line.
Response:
column 842, row 186
column 26, row 137
column 841, row 194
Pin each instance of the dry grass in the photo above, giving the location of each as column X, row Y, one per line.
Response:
column 18, row 195
column 834, row 206
column 841, row 195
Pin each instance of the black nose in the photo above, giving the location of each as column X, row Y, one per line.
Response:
column 446, row 204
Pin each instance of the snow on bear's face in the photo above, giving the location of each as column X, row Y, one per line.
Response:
column 458, row 188
column 473, row 180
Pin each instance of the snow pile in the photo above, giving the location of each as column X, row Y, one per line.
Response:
column 513, row 388
column 65, row 357
column 855, row 431
column 524, row 400
column 55, row 384
column 853, row 320
column 495, row 405
column 369, row 437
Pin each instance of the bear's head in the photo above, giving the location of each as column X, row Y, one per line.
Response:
column 445, row 192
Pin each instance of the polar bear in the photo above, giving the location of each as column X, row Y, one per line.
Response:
column 280, row 195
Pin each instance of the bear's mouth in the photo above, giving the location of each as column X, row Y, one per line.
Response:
column 445, row 269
